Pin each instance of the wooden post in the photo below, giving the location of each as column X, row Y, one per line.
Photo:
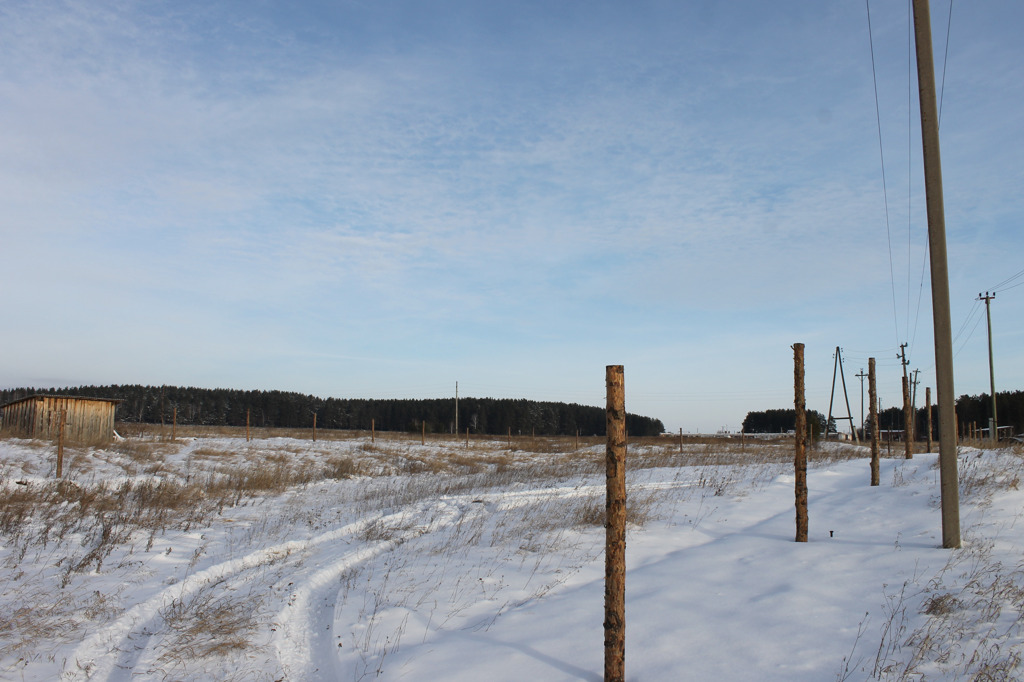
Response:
column 576, row 446
column 873, row 416
column 615, row 528
column 60, row 442
column 247, row 426
column 314, row 427
column 928, row 403
column 467, row 436
column 680, row 440
column 908, row 426
column 423, row 432
column 510, row 438
column 800, row 458
column 174, row 425
column 373, row 431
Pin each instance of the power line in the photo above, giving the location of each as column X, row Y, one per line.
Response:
column 881, row 154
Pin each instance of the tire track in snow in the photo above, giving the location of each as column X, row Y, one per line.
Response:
column 96, row 658
column 300, row 625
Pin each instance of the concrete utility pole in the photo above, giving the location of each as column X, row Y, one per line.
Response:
column 943, row 332
column 991, row 368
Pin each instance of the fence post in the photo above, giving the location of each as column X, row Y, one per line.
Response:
column 928, row 402
column 800, row 437
column 873, row 416
column 615, row 528
column 174, row 425
column 314, row 427
column 423, row 432
column 373, row 431
column 247, row 426
column 60, row 442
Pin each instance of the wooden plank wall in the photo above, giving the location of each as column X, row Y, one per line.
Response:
column 87, row 422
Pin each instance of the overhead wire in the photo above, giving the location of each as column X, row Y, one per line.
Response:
column 881, row 154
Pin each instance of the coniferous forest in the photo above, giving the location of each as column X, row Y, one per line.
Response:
column 970, row 409
column 228, row 407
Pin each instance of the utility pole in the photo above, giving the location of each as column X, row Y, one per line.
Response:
column 943, row 328
column 838, row 369
column 861, row 376
column 991, row 368
column 456, row 409
column 908, row 424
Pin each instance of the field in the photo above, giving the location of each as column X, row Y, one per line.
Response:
column 212, row 558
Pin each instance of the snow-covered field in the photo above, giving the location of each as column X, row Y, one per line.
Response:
column 213, row 558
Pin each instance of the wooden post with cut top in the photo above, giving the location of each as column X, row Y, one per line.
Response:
column 873, row 417
column 928, row 407
column 615, row 528
column 908, row 424
column 60, row 442
column 800, row 457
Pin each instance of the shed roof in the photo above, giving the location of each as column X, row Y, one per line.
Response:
column 37, row 396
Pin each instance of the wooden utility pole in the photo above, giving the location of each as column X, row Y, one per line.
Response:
column 800, row 458
column 908, row 431
column 456, row 410
column 862, row 376
column 373, row 431
column 174, row 424
column 423, row 432
column 928, row 408
column 314, row 427
column 943, row 333
column 991, row 367
column 873, row 417
column 247, row 426
column 615, row 528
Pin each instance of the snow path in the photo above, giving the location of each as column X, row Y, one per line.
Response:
column 97, row 657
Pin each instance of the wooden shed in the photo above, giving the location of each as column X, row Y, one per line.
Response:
column 87, row 421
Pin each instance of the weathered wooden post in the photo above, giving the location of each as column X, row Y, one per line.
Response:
column 873, row 416
column 60, row 442
column 373, row 431
column 928, row 407
column 423, row 432
column 174, row 425
column 467, row 436
column 510, row 438
column 247, row 426
column 908, row 424
column 615, row 528
column 314, row 427
column 800, row 459
column 680, row 440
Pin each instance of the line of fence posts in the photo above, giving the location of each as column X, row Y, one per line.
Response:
column 800, row 438
column 615, row 527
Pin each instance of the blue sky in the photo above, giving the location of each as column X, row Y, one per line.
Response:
column 379, row 199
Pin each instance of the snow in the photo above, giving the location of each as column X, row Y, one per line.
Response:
column 491, row 567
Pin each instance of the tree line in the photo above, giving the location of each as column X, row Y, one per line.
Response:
column 782, row 421
column 229, row 407
column 976, row 409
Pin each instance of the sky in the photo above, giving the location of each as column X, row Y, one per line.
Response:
column 379, row 200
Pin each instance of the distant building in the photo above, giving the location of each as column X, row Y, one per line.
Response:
column 87, row 421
